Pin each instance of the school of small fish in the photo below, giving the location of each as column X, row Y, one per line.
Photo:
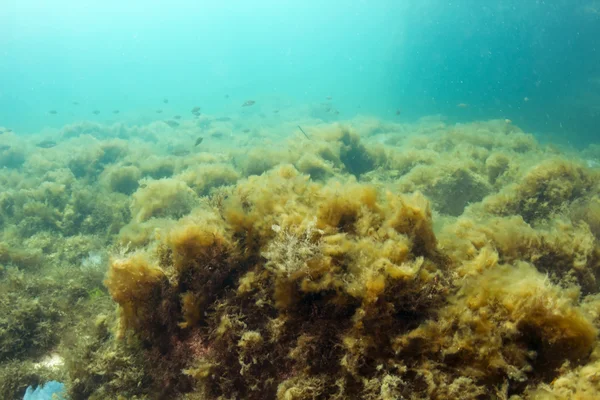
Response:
column 174, row 124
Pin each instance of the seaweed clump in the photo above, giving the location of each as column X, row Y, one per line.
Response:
column 507, row 325
column 250, row 297
column 545, row 190
column 162, row 198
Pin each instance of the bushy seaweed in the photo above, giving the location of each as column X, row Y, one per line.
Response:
column 381, row 261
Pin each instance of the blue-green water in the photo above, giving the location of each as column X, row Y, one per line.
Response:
column 181, row 162
column 536, row 63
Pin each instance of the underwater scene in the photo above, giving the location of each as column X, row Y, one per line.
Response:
column 300, row 200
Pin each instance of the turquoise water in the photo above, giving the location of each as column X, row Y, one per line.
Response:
column 428, row 215
column 536, row 64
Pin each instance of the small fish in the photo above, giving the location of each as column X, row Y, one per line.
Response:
column 177, row 117
column 328, row 98
column 246, row 130
column 180, row 152
column 166, row 101
column 172, row 124
column 462, row 105
column 398, row 112
column 195, row 110
column 115, row 111
column 4, row 147
column 248, row 103
column 302, row 130
column 217, row 135
column 526, row 99
column 276, row 111
column 198, row 141
column 223, row 119
column 336, row 112
column 95, row 112
column 159, row 111
column 75, row 103
column 226, row 96
column 508, row 121
column 53, row 112
column 46, row 144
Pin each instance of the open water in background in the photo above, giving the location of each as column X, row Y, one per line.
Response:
column 536, row 63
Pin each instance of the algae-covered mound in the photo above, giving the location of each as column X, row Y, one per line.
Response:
column 544, row 189
column 257, row 290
